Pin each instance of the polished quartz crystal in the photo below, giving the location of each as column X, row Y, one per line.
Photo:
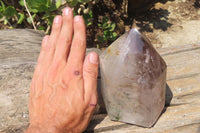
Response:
column 133, row 80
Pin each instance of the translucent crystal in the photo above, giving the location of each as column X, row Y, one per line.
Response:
column 133, row 80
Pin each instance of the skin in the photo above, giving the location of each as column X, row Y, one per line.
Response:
column 63, row 91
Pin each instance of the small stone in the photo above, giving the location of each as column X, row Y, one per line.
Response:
column 133, row 80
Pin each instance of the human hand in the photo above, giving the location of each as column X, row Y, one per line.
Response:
column 63, row 90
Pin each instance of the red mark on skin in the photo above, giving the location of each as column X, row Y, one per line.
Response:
column 93, row 104
column 76, row 73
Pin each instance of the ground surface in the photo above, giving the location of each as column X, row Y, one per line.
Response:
column 168, row 23
column 176, row 22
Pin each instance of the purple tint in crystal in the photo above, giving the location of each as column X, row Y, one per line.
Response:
column 133, row 80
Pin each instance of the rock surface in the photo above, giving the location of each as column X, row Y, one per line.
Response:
column 133, row 80
column 19, row 50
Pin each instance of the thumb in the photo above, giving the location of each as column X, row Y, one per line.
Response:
column 90, row 73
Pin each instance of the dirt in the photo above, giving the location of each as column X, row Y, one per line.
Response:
column 172, row 23
column 166, row 23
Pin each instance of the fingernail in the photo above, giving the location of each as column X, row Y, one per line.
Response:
column 77, row 18
column 66, row 11
column 57, row 19
column 94, row 59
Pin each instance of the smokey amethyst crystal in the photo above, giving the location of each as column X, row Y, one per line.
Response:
column 133, row 80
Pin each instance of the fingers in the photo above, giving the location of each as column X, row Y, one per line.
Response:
column 59, row 43
column 65, row 37
column 38, row 71
column 41, row 56
column 56, row 84
column 77, row 51
column 50, row 48
column 43, row 49
column 90, row 73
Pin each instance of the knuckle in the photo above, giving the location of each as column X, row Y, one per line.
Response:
column 89, row 72
column 64, row 40
column 48, row 47
column 55, row 29
column 79, row 42
column 68, row 41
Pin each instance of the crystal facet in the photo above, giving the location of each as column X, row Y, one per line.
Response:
column 133, row 80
